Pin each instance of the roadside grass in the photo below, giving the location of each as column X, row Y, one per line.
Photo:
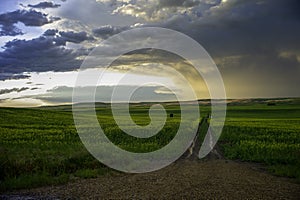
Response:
column 91, row 173
column 264, row 134
column 26, row 181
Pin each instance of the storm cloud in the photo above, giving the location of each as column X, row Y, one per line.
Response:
column 108, row 30
column 74, row 37
column 254, row 43
column 44, row 5
column 27, row 17
column 45, row 53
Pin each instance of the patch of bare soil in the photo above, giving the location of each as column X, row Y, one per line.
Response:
column 187, row 179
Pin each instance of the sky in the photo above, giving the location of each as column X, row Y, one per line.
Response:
column 254, row 44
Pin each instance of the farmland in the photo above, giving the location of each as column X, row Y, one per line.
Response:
column 264, row 134
column 40, row 146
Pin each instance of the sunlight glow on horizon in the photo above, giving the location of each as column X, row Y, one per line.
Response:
column 42, row 83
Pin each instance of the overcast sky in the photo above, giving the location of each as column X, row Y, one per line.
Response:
column 254, row 43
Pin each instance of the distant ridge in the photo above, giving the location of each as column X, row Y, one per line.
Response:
column 204, row 102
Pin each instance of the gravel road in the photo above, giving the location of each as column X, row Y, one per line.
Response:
column 186, row 179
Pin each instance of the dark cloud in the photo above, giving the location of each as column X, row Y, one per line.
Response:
column 243, row 27
column 50, row 32
column 261, row 75
column 74, row 37
column 10, row 30
column 108, row 30
column 44, row 5
column 254, row 46
column 178, row 3
column 8, row 76
column 6, row 91
column 61, row 37
column 27, row 17
column 45, row 53
column 140, row 56
column 254, row 43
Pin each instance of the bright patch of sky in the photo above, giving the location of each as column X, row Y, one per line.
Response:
column 42, row 83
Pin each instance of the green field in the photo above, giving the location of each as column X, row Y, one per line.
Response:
column 41, row 147
column 264, row 134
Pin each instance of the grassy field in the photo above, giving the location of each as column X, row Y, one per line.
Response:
column 264, row 134
column 41, row 147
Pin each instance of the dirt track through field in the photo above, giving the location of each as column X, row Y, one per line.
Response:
column 213, row 178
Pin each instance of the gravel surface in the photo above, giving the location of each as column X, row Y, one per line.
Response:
column 185, row 179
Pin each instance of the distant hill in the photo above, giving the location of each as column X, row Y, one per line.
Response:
column 203, row 102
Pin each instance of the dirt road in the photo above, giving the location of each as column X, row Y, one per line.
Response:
column 210, row 179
